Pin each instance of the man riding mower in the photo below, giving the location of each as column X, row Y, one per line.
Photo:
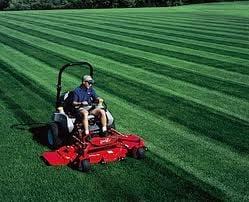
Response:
column 83, row 130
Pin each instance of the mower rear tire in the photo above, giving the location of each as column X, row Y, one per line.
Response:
column 53, row 138
column 138, row 153
column 85, row 165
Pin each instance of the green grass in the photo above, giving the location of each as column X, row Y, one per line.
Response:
column 179, row 77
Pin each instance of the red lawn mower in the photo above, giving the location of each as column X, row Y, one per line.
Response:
column 65, row 136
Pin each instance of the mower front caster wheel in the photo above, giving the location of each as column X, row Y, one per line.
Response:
column 138, row 153
column 85, row 165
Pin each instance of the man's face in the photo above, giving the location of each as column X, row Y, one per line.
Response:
column 88, row 81
column 87, row 84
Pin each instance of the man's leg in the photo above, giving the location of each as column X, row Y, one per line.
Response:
column 102, row 115
column 84, row 114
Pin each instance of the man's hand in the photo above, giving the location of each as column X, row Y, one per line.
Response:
column 100, row 100
column 77, row 104
column 85, row 103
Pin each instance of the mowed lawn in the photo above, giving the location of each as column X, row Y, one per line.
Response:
column 179, row 77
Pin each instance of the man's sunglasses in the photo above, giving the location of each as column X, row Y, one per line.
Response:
column 90, row 81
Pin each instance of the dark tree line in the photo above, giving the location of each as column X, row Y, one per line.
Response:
column 63, row 4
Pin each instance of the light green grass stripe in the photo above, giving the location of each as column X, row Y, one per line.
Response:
column 214, row 23
column 176, row 63
column 141, row 33
column 167, row 30
column 190, row 20
column 189, row 51
column 171, row 24
column 184, row 32
column 223, row 156
column 184, row 10
column 213, row 99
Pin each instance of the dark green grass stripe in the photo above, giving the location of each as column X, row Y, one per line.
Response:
column 12, row 103
column 190, row 17
column 196, row 117
column 194, row 78
column 158, row 163
column 165, row 23
column 228, row 66
column 196, row 21
column 174, row 25
column 159, row 16
column 15, row 108
column 163, row 20
column 181, row 33
column 154, row 166
column 233, row 19
column 174, row 54
column 203, row 37
column 165, row 33
column 195, row 46
column 30, row 48
column 201, row 119
column 186, row 76
column 44, row 55
column 32, row 85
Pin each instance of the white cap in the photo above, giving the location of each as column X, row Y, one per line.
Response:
column 87, row 78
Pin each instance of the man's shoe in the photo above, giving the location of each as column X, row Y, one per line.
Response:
column 104, row 133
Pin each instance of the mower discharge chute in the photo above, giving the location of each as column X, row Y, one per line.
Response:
column 64, row 132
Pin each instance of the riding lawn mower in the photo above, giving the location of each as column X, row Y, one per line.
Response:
column 79, row 151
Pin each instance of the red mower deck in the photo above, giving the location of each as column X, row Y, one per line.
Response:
column 115, row 146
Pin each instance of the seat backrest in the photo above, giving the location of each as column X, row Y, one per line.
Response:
column 66, row 101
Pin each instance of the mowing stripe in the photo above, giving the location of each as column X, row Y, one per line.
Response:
column 194, row 16
column 226, row 188
column 188, row 22
column 21, row 65
column 172, row 25
column 213, row 119
column 188, row 18
column 179, row 41
column 43, row 57
column 165, row 33
column 215, row 39
column 181, row 89
column 201, row 57
column 173, row 87
column 67, row 38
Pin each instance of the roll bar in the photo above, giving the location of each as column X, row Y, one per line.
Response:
column 81, row 63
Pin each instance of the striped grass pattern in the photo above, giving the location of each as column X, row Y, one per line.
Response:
column 179, row 77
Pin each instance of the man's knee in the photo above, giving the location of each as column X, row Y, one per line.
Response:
column 99, row 112
column 102, row 112
column 84, row 113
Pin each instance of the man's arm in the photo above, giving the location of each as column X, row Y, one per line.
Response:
column 76, row 101
column 95, row 97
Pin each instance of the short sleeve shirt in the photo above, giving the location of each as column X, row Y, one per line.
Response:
column 82, row 94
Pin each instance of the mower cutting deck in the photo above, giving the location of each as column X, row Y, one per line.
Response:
column 115, row 146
